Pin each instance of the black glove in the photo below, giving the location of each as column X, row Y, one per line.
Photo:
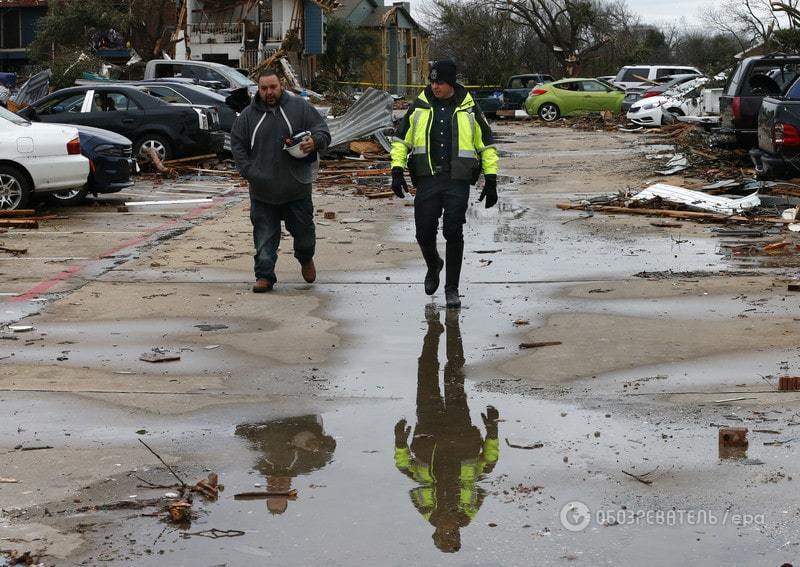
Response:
column 489, row 190
column 401, row 433
column 399, row 182
column 490, row 419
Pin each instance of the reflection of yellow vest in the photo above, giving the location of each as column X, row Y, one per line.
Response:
column 424, row 496
column 471, row 147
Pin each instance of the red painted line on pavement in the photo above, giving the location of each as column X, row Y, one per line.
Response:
column 70, row 271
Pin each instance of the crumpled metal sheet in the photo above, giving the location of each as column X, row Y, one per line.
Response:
column 34, row 88
column 370, row 114
column 698, row 200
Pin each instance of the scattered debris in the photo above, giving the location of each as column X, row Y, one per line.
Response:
column 214, row 327
column 787, row 383
column 539, row 345
column 214, row 533
column 733, row 437
column 524, row 446
column 643, row 478
column 290, row 494
column 180, row 512
column 20, row 328
column 696, row 199
column 208, row 486
column 159, row 355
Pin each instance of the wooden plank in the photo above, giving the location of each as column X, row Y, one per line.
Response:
column 381, row 195
column 189, row 159
column 17, row 212
column 19, row 223
column 718, row 217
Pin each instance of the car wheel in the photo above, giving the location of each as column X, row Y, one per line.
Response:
column 15, row 189
column 155, row 141
column 69, row 197
column 549, row 112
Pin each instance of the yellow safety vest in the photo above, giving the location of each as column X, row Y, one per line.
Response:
column 414, row 137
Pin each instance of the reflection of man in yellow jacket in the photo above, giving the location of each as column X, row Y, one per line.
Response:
column 447, row 456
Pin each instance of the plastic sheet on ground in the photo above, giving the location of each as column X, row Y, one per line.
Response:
column 370, row 114
column 697, row 200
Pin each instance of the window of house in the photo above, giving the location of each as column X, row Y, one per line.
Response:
column 11, row 29
column 414, row 47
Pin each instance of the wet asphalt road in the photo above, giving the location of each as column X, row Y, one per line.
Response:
column 451, row 490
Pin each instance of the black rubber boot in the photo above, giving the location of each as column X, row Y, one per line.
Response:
column 435, row 265
column 454, row 256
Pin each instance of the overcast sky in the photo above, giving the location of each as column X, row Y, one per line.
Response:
column 650, row 11
column 663, row 11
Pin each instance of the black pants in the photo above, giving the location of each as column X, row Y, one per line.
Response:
column 440, row 196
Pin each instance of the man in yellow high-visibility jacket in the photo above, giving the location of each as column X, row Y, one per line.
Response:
column 448, row 455
column 446, row 143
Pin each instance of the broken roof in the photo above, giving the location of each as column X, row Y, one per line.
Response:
column 327, row 5
column 377, row 15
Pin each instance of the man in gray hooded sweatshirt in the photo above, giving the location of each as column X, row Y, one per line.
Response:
column 280, row 184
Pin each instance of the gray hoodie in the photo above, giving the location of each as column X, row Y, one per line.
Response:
column 257, row 144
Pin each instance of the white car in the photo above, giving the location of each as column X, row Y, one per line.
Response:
column 37, row 158
column 684, row 100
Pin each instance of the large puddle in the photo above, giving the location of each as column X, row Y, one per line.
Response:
column 438, row 472
column 403, row 458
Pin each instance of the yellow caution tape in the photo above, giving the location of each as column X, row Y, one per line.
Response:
column 381, row 85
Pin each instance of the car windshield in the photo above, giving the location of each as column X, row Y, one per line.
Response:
column 11, row 117
column 236, row 77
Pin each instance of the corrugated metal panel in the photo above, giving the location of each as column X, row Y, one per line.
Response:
column 33, row 89
column 371, row 113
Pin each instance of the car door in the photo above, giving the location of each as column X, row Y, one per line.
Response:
column 115, row 111
column 64, row 109
column 568, row 96
column 597, row 96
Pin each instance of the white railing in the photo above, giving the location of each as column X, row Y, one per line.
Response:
column 271, row 32
column 216, row 33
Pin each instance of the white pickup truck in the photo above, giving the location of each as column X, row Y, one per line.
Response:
column 206, row 73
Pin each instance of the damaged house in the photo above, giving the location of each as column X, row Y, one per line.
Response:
column 242, row 33
column 17, row 28
column 403, row 59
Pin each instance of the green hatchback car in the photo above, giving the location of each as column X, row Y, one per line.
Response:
column 569, row 96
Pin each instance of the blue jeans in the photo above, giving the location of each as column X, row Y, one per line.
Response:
column 299, row 219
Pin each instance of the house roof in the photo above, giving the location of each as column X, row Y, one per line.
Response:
column 376, row 16
column 346, row 7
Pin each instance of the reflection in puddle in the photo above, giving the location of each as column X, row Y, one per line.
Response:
column 448, row 454
column 291, row 447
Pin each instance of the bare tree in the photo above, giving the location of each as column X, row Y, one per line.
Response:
column 572, row 28
column 459, row 32
column 751, row 22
